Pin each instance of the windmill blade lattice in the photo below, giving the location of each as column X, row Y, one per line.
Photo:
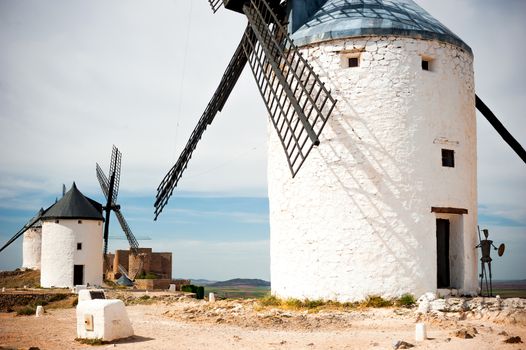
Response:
column 134, row 245
column 216, row 104
column 115, row 168
column 215, row 4
column 298, row 102
column 103, row 181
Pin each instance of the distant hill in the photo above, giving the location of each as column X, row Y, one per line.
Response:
column 241, row 282
column 202, row 282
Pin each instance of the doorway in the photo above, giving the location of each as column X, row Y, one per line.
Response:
column 78, row 275
column 443, row 271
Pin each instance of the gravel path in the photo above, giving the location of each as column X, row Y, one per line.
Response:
column 194, row 325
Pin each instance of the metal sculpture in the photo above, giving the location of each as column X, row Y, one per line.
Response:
column 110, row 188
column 485, row 246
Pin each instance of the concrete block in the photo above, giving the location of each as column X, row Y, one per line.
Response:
column 104, row 319
column 420, row 332
column 90, row 294
column 40, row 311
column 78, row 288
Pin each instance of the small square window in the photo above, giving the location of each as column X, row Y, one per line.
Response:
column 350, row 59
column 353, row 62
column 79, row 246
column 428, row 63
column 80, row 221
column 448, row 158
column 425, row 64
column 56, row 221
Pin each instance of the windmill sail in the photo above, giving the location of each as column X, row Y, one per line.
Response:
column 127, row 230
column 29, row 224
column 103, row 180
column 298, row 102
column 216, row 104
column 503, row 132
column 110, row 189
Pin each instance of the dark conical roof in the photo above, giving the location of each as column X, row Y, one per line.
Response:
column 74, row 205
column 36, row 219
column 320, row 20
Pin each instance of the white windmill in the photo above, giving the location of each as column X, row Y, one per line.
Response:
column 386, row 204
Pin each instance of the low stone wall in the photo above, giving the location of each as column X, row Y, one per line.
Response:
column 150, row 284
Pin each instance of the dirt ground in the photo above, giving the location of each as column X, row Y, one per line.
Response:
column 182, row 323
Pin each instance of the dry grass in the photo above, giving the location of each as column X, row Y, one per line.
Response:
column 68, row 302
column 20, row 278
column 58, row 301
column 372, row 301
column 26, row 311
column 376, row 302
column 302, row 305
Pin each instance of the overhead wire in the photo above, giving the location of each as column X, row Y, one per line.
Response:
column 182, row 79
column 223, row 164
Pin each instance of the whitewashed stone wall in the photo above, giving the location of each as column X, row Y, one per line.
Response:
column 60, row 254
column 357, row 220
column 31, row 248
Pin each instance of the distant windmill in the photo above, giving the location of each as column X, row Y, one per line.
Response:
column 110, row 188
column 32, row 222
column 26, row 227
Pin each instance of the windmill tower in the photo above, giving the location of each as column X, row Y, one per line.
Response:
column 392, row 205
column 386, row 203
column 72, row 242
column 32, row 244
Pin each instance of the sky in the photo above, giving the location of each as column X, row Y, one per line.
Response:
column 77, row 77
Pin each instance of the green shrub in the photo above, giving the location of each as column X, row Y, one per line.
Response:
column 200, row 292
column 96, row 341
column 57, row 297
column 406, row 300
column 144, row 297
column 269, row 301
column 147, row 276
column 376, row 301
column 26, row 311
column 189, row 288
